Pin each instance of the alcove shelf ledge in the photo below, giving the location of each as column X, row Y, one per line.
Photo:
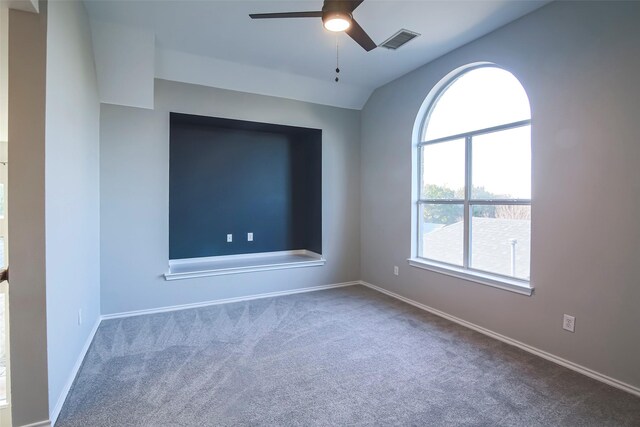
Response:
column 243, row 263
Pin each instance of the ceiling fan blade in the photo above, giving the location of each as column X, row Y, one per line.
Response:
column 286, row 15
column 355, row 4
column 356, row 32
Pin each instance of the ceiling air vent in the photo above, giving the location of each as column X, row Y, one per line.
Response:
column 399, row 39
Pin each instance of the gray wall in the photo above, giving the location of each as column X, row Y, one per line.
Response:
column 579, row 63
column 72, row 191
column 134, row 173
column 28, row 339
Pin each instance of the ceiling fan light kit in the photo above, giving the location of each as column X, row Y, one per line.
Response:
column 336, row 21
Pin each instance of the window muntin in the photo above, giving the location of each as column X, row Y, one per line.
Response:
column 474, row 207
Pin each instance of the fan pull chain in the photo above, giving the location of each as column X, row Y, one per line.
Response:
column 337, row 60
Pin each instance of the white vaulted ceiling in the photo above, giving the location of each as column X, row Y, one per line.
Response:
column 215, row 43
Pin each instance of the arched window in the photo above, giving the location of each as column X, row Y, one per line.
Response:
column 474, row 177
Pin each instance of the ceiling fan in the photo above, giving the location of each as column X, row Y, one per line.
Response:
column 337, row 15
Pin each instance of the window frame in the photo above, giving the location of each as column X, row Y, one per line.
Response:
column 465, row 271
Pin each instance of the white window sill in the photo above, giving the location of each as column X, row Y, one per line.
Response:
column 245, row 263
column 512, row 285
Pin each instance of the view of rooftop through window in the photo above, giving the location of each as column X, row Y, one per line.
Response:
column 478, row 135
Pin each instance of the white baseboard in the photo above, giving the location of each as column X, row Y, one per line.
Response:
column 226, row 300
column 72, row 376
column 541, row 353
column 45, row 423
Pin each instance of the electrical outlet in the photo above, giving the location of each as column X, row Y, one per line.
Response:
column 79, row 317
column 249, row 237
column 396, row 270
column 569, row 323
column 229, row 238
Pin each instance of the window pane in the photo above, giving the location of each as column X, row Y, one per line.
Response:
column 441, row 232
column 443, row 170
column 501, row 239
column 501, row 164
column 479, row 99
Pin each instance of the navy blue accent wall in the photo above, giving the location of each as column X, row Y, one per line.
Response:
column 234, row 177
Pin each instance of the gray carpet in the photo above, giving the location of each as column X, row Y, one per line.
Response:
column 347, row 356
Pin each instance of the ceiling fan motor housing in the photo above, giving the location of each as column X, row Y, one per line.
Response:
column 336, row 10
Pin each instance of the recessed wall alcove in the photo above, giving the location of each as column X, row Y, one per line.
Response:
column 235, row 177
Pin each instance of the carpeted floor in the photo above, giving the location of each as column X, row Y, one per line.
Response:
column 347, row 356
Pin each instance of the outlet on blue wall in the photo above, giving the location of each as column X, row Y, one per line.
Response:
column 238, row 177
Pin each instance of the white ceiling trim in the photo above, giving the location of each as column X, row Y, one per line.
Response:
column 206, row 71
